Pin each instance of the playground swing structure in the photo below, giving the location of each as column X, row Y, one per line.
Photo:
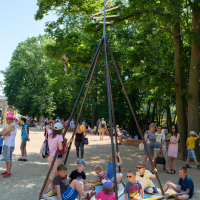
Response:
column 104, row 42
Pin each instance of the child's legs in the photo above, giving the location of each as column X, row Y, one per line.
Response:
column 149, row 163
column 145, row 158
column 196, row 162
column 59, row 161
column 82, row 149
column 148, row 190
column 75, row 184
column 166, row 187
column 119, row 178
column 25, row 152
column 173, row 163
column 77, row 144
column 8, row 166
column 187, row 161
column 186, row 196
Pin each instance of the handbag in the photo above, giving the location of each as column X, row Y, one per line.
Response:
column 160, row 160
column 44, row 151
column 84, row 140
column 141, row 147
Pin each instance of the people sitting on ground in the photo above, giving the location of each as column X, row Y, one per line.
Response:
column 102, row 127
column 191, row 146
column 185, row 187
column 100, row 174
column 106, row 193
column 144, row 176
column 70, row 191
column 133, row 188
column 159, row 147
column 123, row 134
column 110, row 172
column 79, row 174
column 25, row 138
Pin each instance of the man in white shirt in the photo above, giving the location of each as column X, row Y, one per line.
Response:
column 9, row 134
column 160, row 138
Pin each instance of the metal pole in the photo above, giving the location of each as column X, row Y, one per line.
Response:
column 110, row 118
column 99, row 49
column 78, row 98
column 104, row 25
column 113, row 116
column 134, row 116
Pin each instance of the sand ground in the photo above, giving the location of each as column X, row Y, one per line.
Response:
column 28, row 177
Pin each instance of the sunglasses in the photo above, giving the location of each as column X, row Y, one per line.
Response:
column 140, row 167
column 129, row 176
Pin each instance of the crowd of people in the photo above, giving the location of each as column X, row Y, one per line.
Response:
column 138, row 180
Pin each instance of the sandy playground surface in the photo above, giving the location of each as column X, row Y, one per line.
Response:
column 28, row 177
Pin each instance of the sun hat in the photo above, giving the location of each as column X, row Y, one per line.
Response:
column 192, row 132
column 156, row 145
column 107, row 184
column 10, row 115
column 81, row 162
column 58, row 126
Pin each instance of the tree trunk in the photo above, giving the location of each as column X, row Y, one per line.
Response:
column 180, row 98
column 154, row 111
column 193, row 89
column 94, row 110
column 169, row 119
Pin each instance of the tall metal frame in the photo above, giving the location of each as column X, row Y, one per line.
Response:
column 91, row 70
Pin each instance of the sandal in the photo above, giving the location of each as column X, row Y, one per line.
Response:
column 169, row 172
column 173, row 172
column 46, row 197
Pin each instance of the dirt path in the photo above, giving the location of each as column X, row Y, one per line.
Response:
column 27, row 177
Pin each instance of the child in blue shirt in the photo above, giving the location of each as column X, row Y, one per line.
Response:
column 133, row 189
column 110, row 173
column 185, row 187
column 25, row 138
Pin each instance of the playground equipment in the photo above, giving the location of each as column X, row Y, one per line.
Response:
column 104, row 42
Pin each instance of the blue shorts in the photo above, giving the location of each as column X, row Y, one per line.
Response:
column 7, row 153
column 182, row 192
column 69, row 194
column 191, row 153
column 154, row 190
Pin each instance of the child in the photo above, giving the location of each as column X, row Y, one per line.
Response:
column 66, row 191
column 143, row 176
column 133, row 189
column 185, row 187
column 25, row 137
column 110, row 174
column 79, row 174
column 100, row 174
column 106, row 192
column 191, row 146
column 1, row 144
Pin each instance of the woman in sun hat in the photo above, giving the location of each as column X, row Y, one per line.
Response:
column 9, row 134
column 106, row 192
column 55, row 140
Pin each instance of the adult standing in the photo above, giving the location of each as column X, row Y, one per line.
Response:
column 78, row 142
column 9, row 134
column 25, row 138
column 160, row 139
column 55, row 140
column 102, row 126
column 151, row 139
column 72, row 125
column 97, row 125
column 173, row 148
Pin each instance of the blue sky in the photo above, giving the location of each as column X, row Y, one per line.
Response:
column 17, row 23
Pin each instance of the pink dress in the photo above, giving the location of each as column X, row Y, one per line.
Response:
column 173, row 148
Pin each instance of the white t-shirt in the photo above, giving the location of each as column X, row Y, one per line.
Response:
column 10, row 140
column 159, row 138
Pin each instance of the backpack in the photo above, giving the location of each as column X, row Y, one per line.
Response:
column 44, row 151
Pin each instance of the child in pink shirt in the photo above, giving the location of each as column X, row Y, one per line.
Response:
column 107, row 192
